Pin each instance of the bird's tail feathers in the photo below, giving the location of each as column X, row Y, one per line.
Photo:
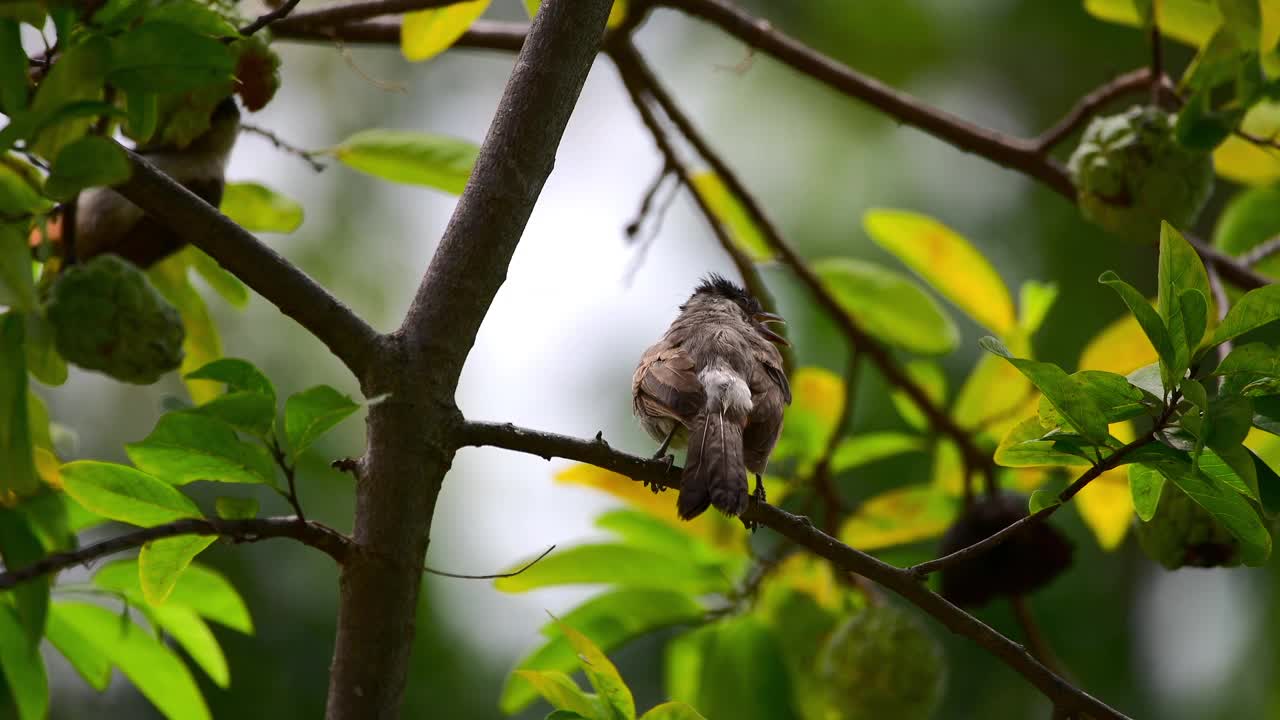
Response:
column 714, row 473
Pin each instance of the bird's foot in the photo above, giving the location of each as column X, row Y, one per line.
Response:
column 759, row 495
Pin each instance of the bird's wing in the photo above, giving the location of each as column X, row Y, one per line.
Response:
column 771, row 361
column 666, row 384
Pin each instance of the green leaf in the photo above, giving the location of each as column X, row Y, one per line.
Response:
column 43, row 360
column 88, row 162
column 77, row 76
column 899, row 516
column 562, row 693
column 13, row 69
column 167, row 57
column 312, row 413
column 1251, row 218
column 21, row 194
column 250, row 403
column 1257, row 308
column 1233, row 468
column 258, row 208
column 17, row 289
column 930, row 378
column 1149, row 319
column 1228, row 507
column 142, row 114
column 642, row 530
column 611, row 619
column 237, row 374
column 672, row 711
column 1187, row 21
column 1243, row 19
column 161, row 563
column 617, row 564
column 194, row 16
column 1227, row 422
column 194, row 635
column 427, row 33
column 566, row 715
column 888, row 305
column 20, row 547
column 227, row 286
column 948, row 262
column 1268, row 484
column 1145, row 485
column 871, row 447
column 153, row 668
column 410, row 158
column 818, row 397
column 1180, row 271
column 200, row 589
column 1068, row 395
column 743, row 674
column 236, row 508
column 1114, row 395
column 19, row 475
column 124, row 494
column 1195, row 393
column 23, row 668
column 202, row 344
column 89, row 662
column 1246, row 365
column 1195, row 316
column 1034, row 301
column 185, row 447
column 731, row 215
column 602, row 674
column 1041, row 499
column 1025, row 445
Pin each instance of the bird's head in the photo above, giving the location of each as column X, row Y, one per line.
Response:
column 719, row 292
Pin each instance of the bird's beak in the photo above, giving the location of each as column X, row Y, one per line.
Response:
column 762, row 319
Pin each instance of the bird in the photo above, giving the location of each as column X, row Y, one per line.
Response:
column 105, row 222
column 715, row 383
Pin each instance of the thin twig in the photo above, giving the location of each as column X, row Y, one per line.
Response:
column 277, row 453
column 306, row 156
column 1035, row 638
column 330, row 541
column 1223, row 302
column 801, row 531
column 266, row 19
column 1260, row 252
column 1087, row 106
column 1157, row 54
column 483, row 34
column 495, row 576
column 345, row 13
column 1269, row 143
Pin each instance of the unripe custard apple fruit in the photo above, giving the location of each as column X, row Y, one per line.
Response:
column 881, row 663
column 106, row 316
column 1182, row 533
column 1130, row 173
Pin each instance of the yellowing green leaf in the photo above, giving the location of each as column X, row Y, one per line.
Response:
column 258, row 208
column 1247, row 163
column 899, row 516
column 1188, row 21
column 561, row 692
column 617, row 13
column 888, row 305
column 730, row 213
column 948, row 262
column 202, row 344
column 994, row 397
column 411, row 158
column 1106, row 505
column 929, row 378
column 1120, row 347
column 161, row 562
column 427, row 33
column 602, row 674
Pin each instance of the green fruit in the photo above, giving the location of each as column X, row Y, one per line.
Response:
column 1183, row 533
column 107, row 317
column 881, row 663
column 1130, row 173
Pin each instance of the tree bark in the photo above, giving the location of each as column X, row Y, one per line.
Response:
column 413, row 432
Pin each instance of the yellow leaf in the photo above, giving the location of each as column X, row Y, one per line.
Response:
column 946, row 261
column 49, row 468
column 808, row 574
column 617, row 13
column 202, row 344
column 712, row 527
column 730, row 214
column 1027, row 479
column 1270, row 33
column 1105, row 504
column 1266, row 445
column 820, row 392
column 1120, row 347
column 948, row 468
column 899, row 516
column 1241, row 161
column 1187, row 21
column 427, row 33
column 995, row 397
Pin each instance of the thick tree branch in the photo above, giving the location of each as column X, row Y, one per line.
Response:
column 411, row 441
column 332, row 542
column 636, row 72
column 801, row 531
column 483, row 34
column 288, row 288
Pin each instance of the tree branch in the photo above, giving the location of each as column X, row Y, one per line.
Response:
column 335, row 15
column 330, row 541
column 801, row 531
column 483, row 34
column 288, row 288
column 1089, row 105
column 410, row 441
column 633, row 68
column 268, row 18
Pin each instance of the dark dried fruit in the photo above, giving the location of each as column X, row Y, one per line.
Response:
column 1023, row 563
column 257, row 73
column 107, row 317
column 1182, row 533
column 881, row 663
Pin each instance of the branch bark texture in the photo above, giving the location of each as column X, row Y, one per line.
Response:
column 411, row 439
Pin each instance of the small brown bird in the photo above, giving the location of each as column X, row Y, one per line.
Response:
column 106, row 222
column 715, row 383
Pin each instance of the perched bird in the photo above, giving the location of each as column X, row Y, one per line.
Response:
column 715, row 382
column 106, row 222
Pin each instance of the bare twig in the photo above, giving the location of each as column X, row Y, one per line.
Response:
column 1269, row 143
column 346, row 13
column 483, row 34
column 348, row 336
column 1157, row 54
column 1223, row 302
column 1087, row 106
column 277, row 454
column 330, row 541
column 1036, row 641
column 306, row 156
column 495, row 576
column 266, row 19
column 1260, row 252
column 801, row 531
